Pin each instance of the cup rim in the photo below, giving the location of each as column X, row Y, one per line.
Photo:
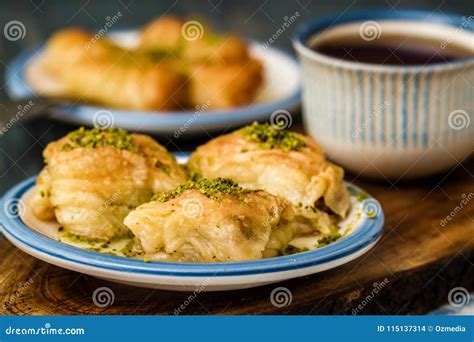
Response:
column 307, row 30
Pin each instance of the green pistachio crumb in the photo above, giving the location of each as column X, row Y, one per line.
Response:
column 129, row 251
column 211, row 188
column 289, row 250
column 362, row 196
column 96, row 137
column 94, row 249
column 352, row 191
column 328, row 240
column 270, row 137
column 78, row 238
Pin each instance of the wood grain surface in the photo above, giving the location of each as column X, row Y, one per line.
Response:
column 411, row 270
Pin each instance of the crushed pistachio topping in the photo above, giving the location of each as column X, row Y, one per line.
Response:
column 95, row 137
column 289, row 250
column 362, row 196
column 80, row 239
column 211, row 188
column 333, row 236
column 270, row 137
column 328, row 240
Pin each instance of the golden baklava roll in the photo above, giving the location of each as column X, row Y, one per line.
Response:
column 192, row 42
column 100, row 71
column 94, row 178
column 208, row 221
column 287, row 164
column 221, row 71
column 225, row 86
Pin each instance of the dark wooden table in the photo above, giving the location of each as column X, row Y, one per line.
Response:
column 418, row 260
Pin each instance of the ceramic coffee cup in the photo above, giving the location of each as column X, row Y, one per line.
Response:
column 390, row 121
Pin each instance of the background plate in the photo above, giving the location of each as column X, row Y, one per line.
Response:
column 280, row 92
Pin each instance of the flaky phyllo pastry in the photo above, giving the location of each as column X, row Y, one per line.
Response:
column 209, row 220
column 94, row 178
column 221, row 72
column 258, row 192
column 102, row 72
column 168, row 69
column 283, row 163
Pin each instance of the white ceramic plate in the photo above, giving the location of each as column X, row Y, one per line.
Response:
column 40, row 239
column 280, row 92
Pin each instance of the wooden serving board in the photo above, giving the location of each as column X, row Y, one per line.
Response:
column 411, row 270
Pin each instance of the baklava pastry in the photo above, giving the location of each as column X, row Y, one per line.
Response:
column 225, row 85
column 94, row 178
column 208, row 221
column 290, row 165
column 99, row 71
column 191, row 42
column 126, row 85
column 163, row 34
column 221, row 72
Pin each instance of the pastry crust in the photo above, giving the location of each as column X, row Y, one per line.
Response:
column 303, row 176
column 102, row 72
column 192, row 42
column 264, row 193
column 89, row 190
column 162, row 34
column 193, row 227
column 165, row 71
column 226, row 85
column 220, row 69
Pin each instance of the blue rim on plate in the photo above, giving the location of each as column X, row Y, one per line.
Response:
column 307, row 30
column 158, row 122
column 368, row 232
